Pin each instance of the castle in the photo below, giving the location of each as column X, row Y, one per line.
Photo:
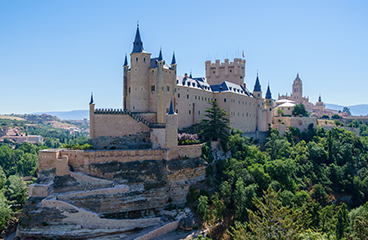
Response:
column 150, row 85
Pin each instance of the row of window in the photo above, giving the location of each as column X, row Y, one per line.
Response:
column 153, row 88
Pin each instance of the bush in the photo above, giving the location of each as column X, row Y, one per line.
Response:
column 187, row 139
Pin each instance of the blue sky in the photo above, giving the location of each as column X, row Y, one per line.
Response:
column 53, row 54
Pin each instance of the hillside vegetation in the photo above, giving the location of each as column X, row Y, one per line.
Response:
column 309, row 185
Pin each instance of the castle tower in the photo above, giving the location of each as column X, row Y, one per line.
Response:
column 137, row 97
column 173, row 67
column 91, row 118
column 257, row 94
column 125, row 82
column 217, row 73
column 160, row 89
column 171, row 134
column 297, row 94
column 268, row 105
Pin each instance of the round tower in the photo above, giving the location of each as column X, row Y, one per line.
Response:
column 138, row 91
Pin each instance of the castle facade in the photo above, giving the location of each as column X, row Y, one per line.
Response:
column 150, row 85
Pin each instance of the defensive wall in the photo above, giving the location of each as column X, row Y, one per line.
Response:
column 60, row 159
column 301, row 123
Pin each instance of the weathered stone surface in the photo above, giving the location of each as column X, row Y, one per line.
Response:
column 149, row 186
column 131, row 141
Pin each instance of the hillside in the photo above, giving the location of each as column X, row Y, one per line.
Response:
column 69, row 115
column 356, row 110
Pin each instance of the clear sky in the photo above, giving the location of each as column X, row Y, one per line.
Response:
column 53, row 54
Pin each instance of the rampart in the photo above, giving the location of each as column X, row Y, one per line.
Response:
column 190, row 151
column 301, row 123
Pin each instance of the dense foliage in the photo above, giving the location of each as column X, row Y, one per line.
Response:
column 321, row 176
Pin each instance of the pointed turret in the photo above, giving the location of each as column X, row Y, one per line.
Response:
column 268, row 93
column 171, row 110
column 160, row 56
column 91, row 102
column 126, row 61
column 257, row 86
column 319, row 98
column 173, row 61
column 137, row 44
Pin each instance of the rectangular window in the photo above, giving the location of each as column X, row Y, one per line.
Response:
column 224, row 99
column 167, row 88
column 153, row 88
column 178, row 95
column 136, row 59
column 195, row 97
column 199, row 112
column 190, row 112
column 187, row 96
column 129, row 89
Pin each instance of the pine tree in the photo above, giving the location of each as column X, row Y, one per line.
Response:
column 342, row 221
column 216, row 126
column 271, row 221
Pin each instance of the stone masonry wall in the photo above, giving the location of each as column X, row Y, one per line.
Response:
column 131, row 141
column 116, row 125
column 190, row 151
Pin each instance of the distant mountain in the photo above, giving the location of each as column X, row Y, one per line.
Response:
column 70, row 115
column 356, row 110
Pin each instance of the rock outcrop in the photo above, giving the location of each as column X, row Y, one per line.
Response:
column 109, row 198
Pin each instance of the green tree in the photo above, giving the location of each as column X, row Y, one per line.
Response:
column 342, row 221
column 4, row 212
column 299, row 110
column 271, row 221
column 2, row 178
column 203, row 210
column 346, row 110
column 280, row 112
column 16, row 191
column 216, row 126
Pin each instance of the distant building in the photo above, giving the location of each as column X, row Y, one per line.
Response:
column 14, row 135
column 296, row 97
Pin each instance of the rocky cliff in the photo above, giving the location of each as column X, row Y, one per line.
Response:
column 109, row 198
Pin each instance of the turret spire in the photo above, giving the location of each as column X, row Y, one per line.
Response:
column 137, row 44
column 257, row 86
column 171, row 111
column 160, row 56
column 91, row 102
column 268, row 93
column 173, row 59
column 125, row 61
column 319, row 98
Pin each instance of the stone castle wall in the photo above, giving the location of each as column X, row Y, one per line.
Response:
column 190, row 151
column 300, row 123
column 116, row 125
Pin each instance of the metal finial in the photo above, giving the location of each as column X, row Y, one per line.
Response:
column 137, row 23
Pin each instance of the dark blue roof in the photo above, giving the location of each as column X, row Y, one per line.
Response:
column 257, row 86
column 171, row 111
column 159, row 56
column 173, row 59
column 153, row 62
column 268, row 93
column 137, row 44
column 125, row 61
column 91, row 99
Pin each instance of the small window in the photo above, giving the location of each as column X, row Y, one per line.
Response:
column 224, row 99
column 178, row 95
column 187, row 96
column 153, row 88
column 231, row 70
column 195, row 97
column 199, row 112
column 202, row 98
column 258, row 94
column 190, row 112
column 136, row 59
column 258, row 105
column 167, row 110
column 144, row 60
column 213, row 71
column 177, row 110
column 167, row 88
column 205, row 99
column 288, row 108
column 129, row 89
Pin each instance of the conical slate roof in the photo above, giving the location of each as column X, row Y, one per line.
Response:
column 268, row 93
column 257, row 86
column 137, row 44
